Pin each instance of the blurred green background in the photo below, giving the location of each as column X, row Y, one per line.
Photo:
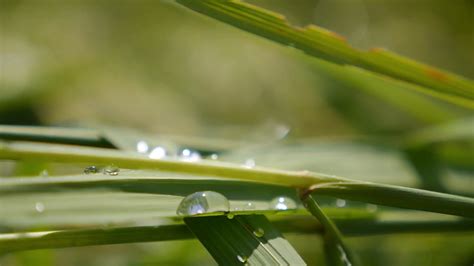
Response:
column 157, row 67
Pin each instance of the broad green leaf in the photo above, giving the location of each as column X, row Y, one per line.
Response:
column 243, row 240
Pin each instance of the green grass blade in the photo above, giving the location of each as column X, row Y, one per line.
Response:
column 95, row 156
column 324, row 44
column 73, row 136
column 401, row 197
column 87, row 237
column 337, row 251
column 243, row 240
column 338, row 187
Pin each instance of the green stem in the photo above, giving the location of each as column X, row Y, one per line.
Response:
column 337, row 251
column 396, row 196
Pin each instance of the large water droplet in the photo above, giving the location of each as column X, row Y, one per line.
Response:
column 39, row 207
column 157, row 153
column 142, row 146
column 111, row 170
column 283, row 203
column 259, row 232
column 189, row 155
column 340, row 203
column 249, row 163
column 91, row 170
column 203, row 202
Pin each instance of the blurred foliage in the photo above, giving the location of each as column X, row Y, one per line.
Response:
column 160, row 68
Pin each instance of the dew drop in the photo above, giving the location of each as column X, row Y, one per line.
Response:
column 259, row 232
column 249, row 206
column 214, row 156
column 283, row 203
column 281, row 131
column 340, row 203
column 157, row 153
column 111, row 170
column 189, row 155
column 249, row 163
column 39, row 207
column 91, row 170
column 343, row 256
column 371, row 207
column 44, row 173
column 242, row 259
column 203, row 202
column 142, row 146
column 230, row 216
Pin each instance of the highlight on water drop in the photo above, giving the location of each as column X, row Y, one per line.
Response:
column 203, row 202
column 283, row 203
column 111, row 170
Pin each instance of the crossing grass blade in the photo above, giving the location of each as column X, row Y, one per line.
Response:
column 327, row 45
column 337, row 252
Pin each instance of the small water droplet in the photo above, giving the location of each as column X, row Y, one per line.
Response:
column 91, row 170
column 343, row 256
column 214, row 156
column 249, row 206
column 371, row 207
column 259, row 232
column 39, row 207
column 111, row 170
column 242, row 259
column 142, row 146
column 203, row 202
column 281, row 131
column 157, row 153
column 230, row 215
column 340, row 203
column 189, row 155
column 283, row 203
column 44, row 173
column 249, row 163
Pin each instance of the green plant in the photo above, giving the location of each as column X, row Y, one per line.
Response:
column 96, row 178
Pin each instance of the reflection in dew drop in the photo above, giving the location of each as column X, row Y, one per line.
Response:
column 157, row 153
column 281, row 131
column 39, row 207
column 242, row 259
column 91, row 170
column 203, row 202
column 344, row 258
column 189, row 155
column 249, row 206
column 259, row 232
column 283, row 203
column 249, row 163
column 214, row 156
column 142, row 146
column 340, row 203
column 371, row 207
column 111, row 170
